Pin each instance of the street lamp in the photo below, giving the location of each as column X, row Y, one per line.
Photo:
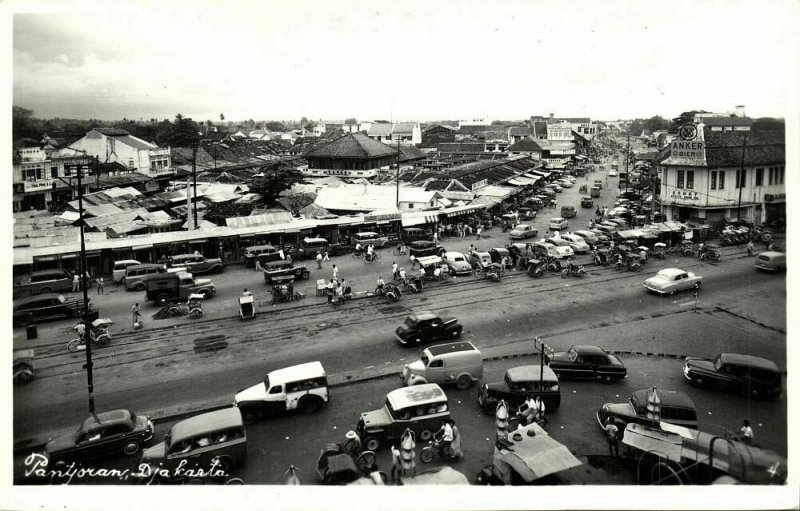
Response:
column 85, row 317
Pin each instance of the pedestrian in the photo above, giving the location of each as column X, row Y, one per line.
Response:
column 335, row 272
column 136, row 314
column 280, row 253
column 402, row 274
column 100, row 285
column 76, row 283
column 413, row 261
column 435, row 237
column 289, row 258
column 746, row 433
column 319, row 261
column 597, row 212
column 394, row 270
column 605, row 211
column 471, row 248
column 611, row 434
column 455, row 447
column 478, row 232
column 447, row 437
column 325, row 256
column 396, row 465
column 258, row 265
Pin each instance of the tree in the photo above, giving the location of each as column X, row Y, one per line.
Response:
column 272, row 180
column 351, row 120
column 303, row 121
column 684, row 118
column 298, row 201
column 768, row 123
column 221, row 117
column 217, row 212
column 276, row 126
column 21, row 123
column 184, row 132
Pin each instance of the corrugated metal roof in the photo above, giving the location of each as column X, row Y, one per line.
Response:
column 263, row 219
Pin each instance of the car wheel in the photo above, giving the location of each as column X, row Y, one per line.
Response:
column 162, row 299
column 463, row 382
column 424, row 435
column 607, row 378
column 372, row 443
column 309, row 404
column 426, row 456
column 131, row 447
column 417, row 341
column 305, row 275
column 249, row 415
column 206, row 294
column 455, row 334
column 139, row 286
column 487, row 408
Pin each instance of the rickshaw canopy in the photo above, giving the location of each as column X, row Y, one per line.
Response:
column 533, row 454
column 102, row 322
column 196, row 296
column 442, row 475
column 427, row 261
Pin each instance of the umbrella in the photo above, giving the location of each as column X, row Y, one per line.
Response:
column 501, row 420
column 653, row 406
column 407, row 446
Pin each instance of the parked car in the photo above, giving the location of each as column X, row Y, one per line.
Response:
column 410, row 234
column 278, row 269
column 523, row 231
column 558, row 224
column 425, row 326
column 519, row 384
column 118, row 273
column 457, row 363
column 366, row 238
column 421, row 408
column 479, row 259
column 457, row 263
column 676, row 408
column 587, row 362
column 672, row 280
column 308, row 248
column 262, row 253
column 562, row 247
column 751, row 375
column 136, row 274
column 103, row 434
column 612, row 173
column 771, row 261
column 553, row 186
column 542, row 248
column 588, row 236
column 564, row 183
column 163, row 288
column 568, row 212
column 576, row 243
column 422, row 248
column 33, row 309
column 301, row 387
column 42, row 282
column 197, row 264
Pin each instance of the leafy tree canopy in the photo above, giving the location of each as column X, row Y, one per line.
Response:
column 350, row 120
column 276, row 126
column 271, row 181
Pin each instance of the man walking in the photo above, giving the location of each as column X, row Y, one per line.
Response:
column 394, row 270
column 335, row 272
column 611, row 433
column 746, row 433
column 76, row 283
column 478, row 232
column 319, row 261
column 100, row 285
column 135, row 313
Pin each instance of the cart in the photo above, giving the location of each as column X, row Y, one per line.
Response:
column 283, row 289
column 23, row 365
column 247, row 307
column 335, row 466
column 196, row 305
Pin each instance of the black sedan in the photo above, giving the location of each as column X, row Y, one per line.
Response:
column 47, row 306
column 748, row 374
column 425, row 248
column 105, row 434
column 587, row 362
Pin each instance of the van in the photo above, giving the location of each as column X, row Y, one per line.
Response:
column 209, row 441
column 167, row 287
column 264, row 253
column 410, row 234
column 771, row 261
column 118, row 274
column 44, row 281
column 568, row 211
column 458, row 363
column 558, row 224
column 598, row 183
column 420, row 408
column 135, row 275
column 302, row 387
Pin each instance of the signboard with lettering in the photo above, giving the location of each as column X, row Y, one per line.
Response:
column 687, row 149
column 685, row 195
column 37, row 186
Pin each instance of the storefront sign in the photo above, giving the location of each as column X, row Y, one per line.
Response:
column 685, row 195
column 37, row 186
column 684, row 149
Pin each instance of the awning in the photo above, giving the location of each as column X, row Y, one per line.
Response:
column 534, row 457
column 143, row 247
column 198, row 241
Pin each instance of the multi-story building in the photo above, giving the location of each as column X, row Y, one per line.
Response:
column 724, row 175
column 353, row 155
column 391, row 133
column 42, row 178
column 113, row 145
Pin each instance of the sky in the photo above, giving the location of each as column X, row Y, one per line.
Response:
column 402, row 60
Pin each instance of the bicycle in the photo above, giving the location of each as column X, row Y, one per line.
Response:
column 398, row 251
column 357, row 255
column 371, row 259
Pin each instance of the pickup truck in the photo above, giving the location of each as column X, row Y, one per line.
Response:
column 196, row 264
column 425, row 326
column 164, row 288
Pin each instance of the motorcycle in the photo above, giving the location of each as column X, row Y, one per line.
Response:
column 436, row 447
column 574, row 270
column 98, row 334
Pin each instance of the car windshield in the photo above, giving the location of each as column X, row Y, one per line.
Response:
column 424, row 358
column 572, row 354
column 410, row 321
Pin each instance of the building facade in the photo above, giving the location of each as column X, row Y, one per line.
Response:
column 352, row 155
column 113, row 145
column 42, row 179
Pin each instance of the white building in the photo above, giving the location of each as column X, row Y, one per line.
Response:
column 389, row 133
column 113, row 145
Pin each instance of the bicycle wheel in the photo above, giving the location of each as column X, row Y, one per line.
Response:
column 478, row 274
column 397, row 252
column 376, row 257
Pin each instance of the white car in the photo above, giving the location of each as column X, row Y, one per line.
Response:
column 672, row 280
column 553, row 186
column 588, row 236
column 558, row 224
column 577, row 243
column 565, row 183
column 562, row 247
column 612, row 173
column 522, row 231
column 457, row 263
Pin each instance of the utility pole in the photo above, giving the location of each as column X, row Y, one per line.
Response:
column 740, row 181
column 397, row 176
column 194, row 179
column 627, row 157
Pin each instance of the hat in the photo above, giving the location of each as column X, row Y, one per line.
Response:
column 351, row 435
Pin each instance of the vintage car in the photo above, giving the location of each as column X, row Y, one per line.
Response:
column 526, row 213
column 422, row 248
column 118, row 273
column 771, row 261
column 588, row 236
column 612, row 173
column 562, row 247
column 587, row 362
column 564, row 183
column 196, row 264
column 519, row 384
column 552, row 186
column 302, row 387
column 672, row 280
column 424, row 326
column 308, row 248
column 558, row 224
column 367, row 238
column 479, row 259
column 576, row 243
column 104, row 434
column 261, row 253
column 523, row 231
column 47, row 306
column 676, row 408
column 275, row 270
column 748, row 374
column 457, row 263
column 42, row 282
column 587, row 201
column 421, row 408
column 541, row 250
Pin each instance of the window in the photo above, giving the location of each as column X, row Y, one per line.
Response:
column 780, row 175
column 721, row 183
column 437, row 363
column 680, row 178
column 53, row 172
column 759, row 177
column 741, row 178
column 130, row 163
column 277, row 389
column 689, row 179
column 771, row 179
column 713, row 179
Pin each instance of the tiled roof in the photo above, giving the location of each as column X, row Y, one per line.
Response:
column 409, row 152
column 134, row 142
column 523, row 131
column 526, row 144
column 403, row 127
column 724, row 148
column 726, row 121
column 112, row 132
column 352, row 145
column 380, row 129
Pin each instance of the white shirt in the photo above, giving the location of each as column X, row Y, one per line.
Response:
column 448, row 433
column 394, row 268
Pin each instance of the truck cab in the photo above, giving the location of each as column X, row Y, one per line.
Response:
column 424, row 327
column 163, row 288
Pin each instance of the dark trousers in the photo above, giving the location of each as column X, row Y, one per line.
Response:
column 613, row 447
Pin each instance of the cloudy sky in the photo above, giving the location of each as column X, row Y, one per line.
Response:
column 405, row 60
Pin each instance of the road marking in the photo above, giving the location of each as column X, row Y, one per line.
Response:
column 369, row 367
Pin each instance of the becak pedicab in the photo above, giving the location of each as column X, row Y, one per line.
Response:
column 195, row 304
column 660, row 250
column 247, row 307
column 282, row 289
column 536, row 268
column 340, row 464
